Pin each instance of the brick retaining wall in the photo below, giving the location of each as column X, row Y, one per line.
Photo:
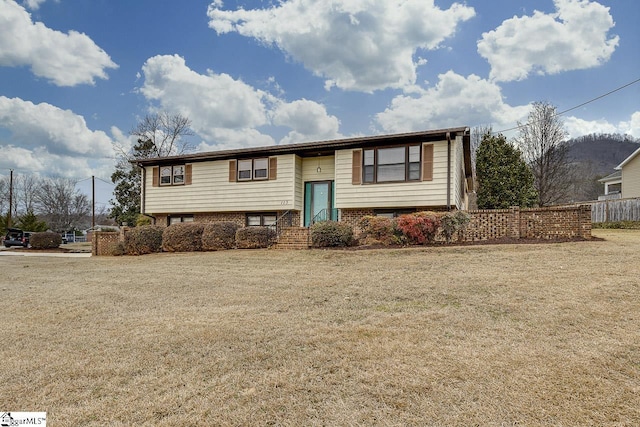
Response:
column 563, row 222
column 104, row 242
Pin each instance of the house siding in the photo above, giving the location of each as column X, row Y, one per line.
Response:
column 631, row 178
column 211, row 191
column 391, row 195
column 459, row 182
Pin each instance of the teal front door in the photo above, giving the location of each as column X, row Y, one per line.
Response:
column 318, row 201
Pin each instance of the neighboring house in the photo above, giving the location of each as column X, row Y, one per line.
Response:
column 342, row 180
column 612, row 186
column 630, row 169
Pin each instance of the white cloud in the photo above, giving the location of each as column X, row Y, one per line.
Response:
column 632, row 127
column 44, row 139
column 60, row 131
column 361, row 45
column 226, row 112
column 454, row 101
column 573, row 38
column 578, row 127
column 309, row 121
column 65, row 59
column 33, row 4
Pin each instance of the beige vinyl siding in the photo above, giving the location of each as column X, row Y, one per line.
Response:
column 298, row 188
column 310, row 168
column 211, row 191
column 404, row 194
column 631, row 178
column 458, row 173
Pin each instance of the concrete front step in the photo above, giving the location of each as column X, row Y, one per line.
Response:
column 293, row 238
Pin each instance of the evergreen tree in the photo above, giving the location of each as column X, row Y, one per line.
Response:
column 30, row 222
column 126, row 206
column 504, row 179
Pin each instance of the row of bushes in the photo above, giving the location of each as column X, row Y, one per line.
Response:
column 417, row 228
column 190, row 237
column 413, row 229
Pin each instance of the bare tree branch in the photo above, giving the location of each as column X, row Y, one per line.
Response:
column 544, row 147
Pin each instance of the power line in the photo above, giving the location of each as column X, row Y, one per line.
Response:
column 577, row 106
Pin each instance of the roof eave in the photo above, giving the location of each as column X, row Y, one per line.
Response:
column 305, row 147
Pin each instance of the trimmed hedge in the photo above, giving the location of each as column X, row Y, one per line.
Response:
column 219, row 236
column 420, row 227
column 254, row 237
column 453, row 223
column 146, row 239
column 46, row 240
column 183, row 237
column 331, row 234
column 378, row 230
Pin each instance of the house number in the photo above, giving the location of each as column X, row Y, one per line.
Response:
column 284, row 202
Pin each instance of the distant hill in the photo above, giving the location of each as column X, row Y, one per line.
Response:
column 595, row 156
column 603, row 152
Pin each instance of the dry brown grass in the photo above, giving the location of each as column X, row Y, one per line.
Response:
column 476, row 335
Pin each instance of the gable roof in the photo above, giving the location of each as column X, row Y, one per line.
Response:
column 319, row 148
column 628, row 159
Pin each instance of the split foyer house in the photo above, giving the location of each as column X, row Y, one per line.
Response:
column 341, row 180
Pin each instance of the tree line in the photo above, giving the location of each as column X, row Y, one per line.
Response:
column 41, row 204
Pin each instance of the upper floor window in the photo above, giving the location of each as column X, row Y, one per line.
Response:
column 253, row 169
column 392, row 164
column 172, row 175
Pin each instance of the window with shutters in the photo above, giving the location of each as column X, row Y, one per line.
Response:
column 172, row 175
column 391, row 164
column 256, row 169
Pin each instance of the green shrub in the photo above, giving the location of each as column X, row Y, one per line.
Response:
column 183, row 237
column 255, row 237
column 452, row 223
column 46, row 240
column 331, row 234
column 219, row 235
column 378, row 230
column 118, row 249
column 142, row 220
column 143, row 240
column 420, row 227
column 109, row 229
column 633, row 225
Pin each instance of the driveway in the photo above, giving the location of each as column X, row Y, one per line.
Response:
column 8, row 252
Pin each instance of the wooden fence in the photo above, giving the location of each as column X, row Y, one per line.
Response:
column 615, row 210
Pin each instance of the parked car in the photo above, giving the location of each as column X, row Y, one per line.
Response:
column 16, row 237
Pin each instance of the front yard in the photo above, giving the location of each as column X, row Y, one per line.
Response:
column 490, row 335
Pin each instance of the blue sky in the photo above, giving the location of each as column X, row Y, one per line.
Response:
column 77, row 75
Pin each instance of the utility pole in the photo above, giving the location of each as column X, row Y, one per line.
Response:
column 10, row 198
column 93, row 203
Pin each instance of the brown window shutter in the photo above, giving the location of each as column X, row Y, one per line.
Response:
column 187, row 175
column 232, row 171
column 155, row 172
column 427, row 162
column 273, row 168
column 356, row 167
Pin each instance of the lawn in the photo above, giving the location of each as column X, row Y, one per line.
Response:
column 489, row 335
